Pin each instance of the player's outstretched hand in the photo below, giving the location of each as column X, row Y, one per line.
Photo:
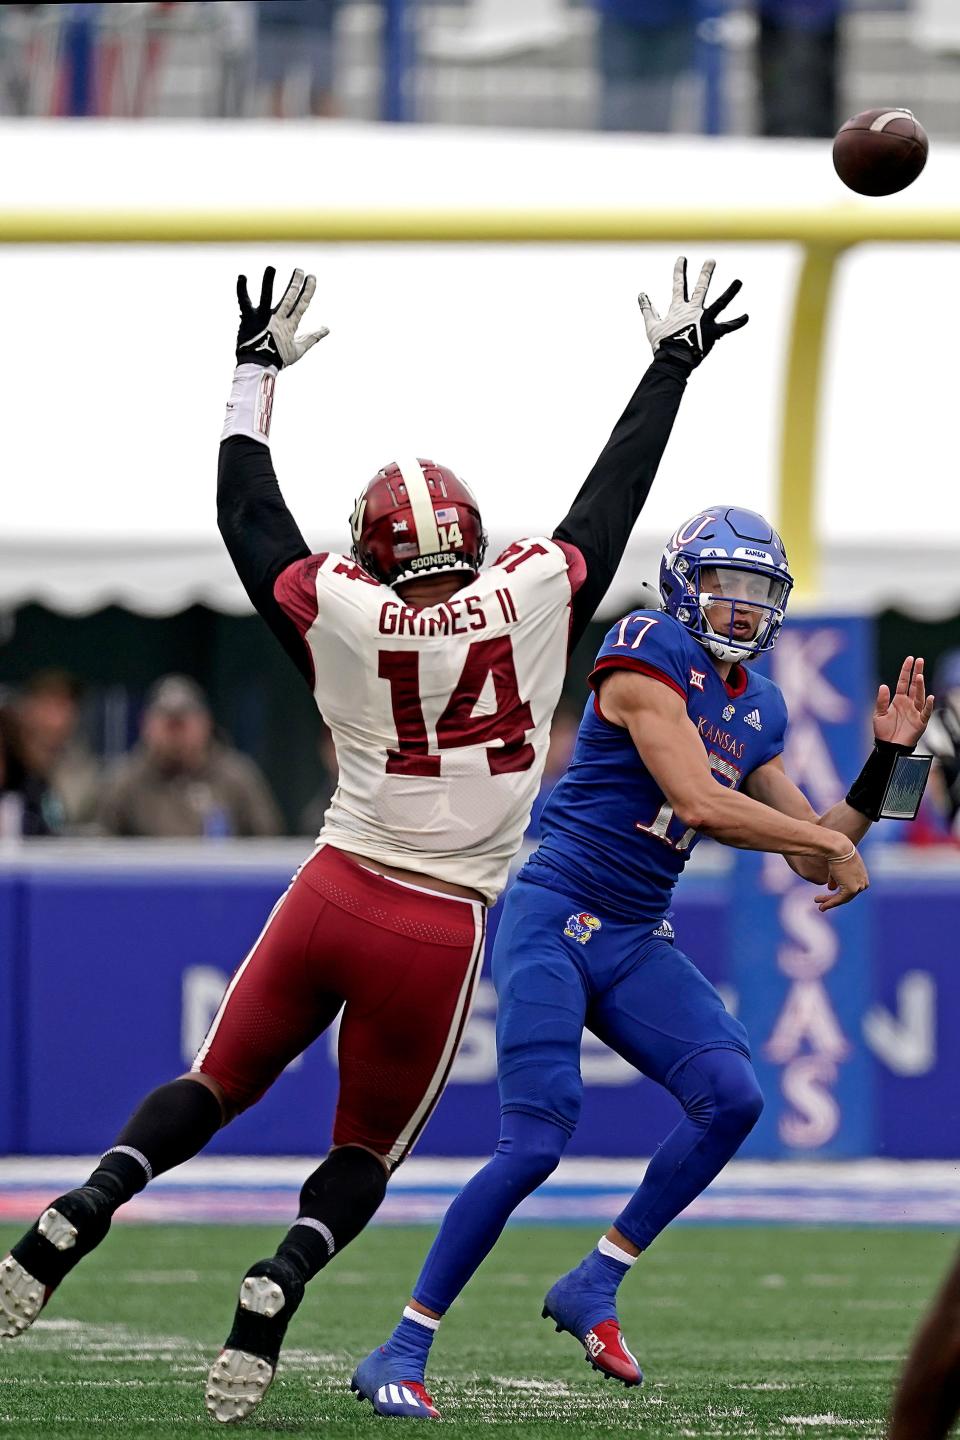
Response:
column 690, row 328
column 268, row 333
column 902, row 718
column 848, row 879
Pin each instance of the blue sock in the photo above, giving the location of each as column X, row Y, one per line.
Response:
column 410, row 1344
column 602, row 1273
column 588, row 1293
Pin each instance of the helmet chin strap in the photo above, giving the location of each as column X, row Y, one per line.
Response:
column 725, row 652
column 721, row 649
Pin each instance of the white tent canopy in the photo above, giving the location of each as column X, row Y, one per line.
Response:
column 509, row 363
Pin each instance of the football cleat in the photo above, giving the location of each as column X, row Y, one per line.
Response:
column 378, row 1379
column 243, row 1371
column 602, row 1340
column 236, row 1384
column 21, row 1298
column 67, row 1230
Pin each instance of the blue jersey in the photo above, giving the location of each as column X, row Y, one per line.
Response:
column 608, row 832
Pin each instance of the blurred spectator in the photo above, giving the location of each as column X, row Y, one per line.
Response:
column 28, row 805
column 942, row 739
column 563, row 737
column 14, row 819
column 798, row 55
column 643, row 48
column 237, row 22
column 47, row 714
column 50, row 778
column 180, row 780
column 296, row 43
column 17, row 40
column 11, row 808
column 311, row 816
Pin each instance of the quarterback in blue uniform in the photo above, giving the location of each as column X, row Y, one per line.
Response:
column 679, row 739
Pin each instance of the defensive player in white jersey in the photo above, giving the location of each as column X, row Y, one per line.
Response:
column 438, row 680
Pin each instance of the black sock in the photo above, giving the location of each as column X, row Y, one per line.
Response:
column 171, row 1125
column 337, row 1201
column 66, row 1231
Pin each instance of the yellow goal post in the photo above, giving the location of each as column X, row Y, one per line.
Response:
column 823, row 234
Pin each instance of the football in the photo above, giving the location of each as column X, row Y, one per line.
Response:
column 879, row 152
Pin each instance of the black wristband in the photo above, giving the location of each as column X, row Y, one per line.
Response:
column 675, row 356
column 868, row 791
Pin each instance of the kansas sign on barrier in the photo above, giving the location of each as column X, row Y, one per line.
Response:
column 111, row 975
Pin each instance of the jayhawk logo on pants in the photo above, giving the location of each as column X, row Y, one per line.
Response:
column 581, row 927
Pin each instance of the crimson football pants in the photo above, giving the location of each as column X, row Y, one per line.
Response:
column 403, row 963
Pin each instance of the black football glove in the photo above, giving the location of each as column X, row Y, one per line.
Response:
column 269, row 336
column 689, row 330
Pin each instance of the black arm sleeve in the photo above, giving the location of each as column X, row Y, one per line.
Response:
column 602, row 516
column 261, row 535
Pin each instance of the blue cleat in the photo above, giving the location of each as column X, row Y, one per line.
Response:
column 591, row 1317
column 380, row 1379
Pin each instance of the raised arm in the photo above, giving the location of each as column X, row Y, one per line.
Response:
column 604, row 512
column 672, row 751
column 257, row 528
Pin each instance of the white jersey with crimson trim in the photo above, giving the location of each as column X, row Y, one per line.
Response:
column 441, row 715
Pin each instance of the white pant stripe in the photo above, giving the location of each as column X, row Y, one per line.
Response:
column 461, row 1010
column 209, row 1037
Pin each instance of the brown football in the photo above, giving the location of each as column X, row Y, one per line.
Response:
column 880, row 151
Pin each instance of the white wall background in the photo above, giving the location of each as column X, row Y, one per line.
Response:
column 509, row 363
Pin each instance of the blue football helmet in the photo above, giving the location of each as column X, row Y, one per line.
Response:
column 725, row 555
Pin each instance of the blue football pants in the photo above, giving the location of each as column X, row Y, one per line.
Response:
column 721, row 1102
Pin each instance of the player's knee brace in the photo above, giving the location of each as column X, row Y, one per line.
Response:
column 718, row 1090
column 529, row 1149
column 336, row 1202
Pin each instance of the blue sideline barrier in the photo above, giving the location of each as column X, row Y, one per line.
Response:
column 112, row 968
column 11, row 1012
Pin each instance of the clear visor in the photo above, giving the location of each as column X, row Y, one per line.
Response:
column 750, row 587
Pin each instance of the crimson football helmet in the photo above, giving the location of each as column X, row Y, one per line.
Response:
column 416, row 518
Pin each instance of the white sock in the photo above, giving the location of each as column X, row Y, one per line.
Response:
column 427, row 1321
column 613, row 1252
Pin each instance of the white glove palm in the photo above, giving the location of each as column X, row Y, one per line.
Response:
column 690, row 327
column 269, row 336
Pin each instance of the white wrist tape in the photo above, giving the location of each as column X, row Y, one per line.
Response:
column 250, row 407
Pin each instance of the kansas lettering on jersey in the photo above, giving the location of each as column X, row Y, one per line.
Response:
column 609, row 834
column 440, row 716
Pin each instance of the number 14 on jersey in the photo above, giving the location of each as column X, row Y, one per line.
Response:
column 459, row 726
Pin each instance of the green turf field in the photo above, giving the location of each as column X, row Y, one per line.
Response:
column 742, row 1332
